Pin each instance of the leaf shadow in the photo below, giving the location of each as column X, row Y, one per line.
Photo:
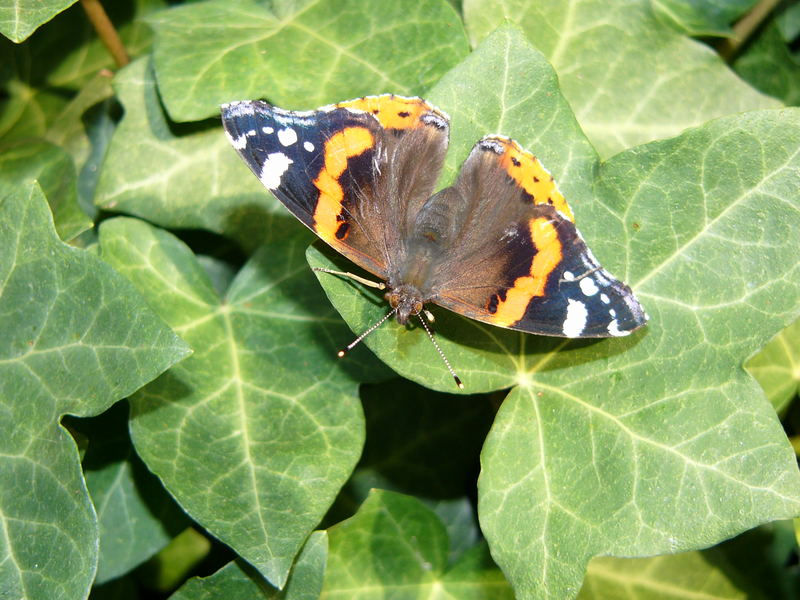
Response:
column 418, row 442
column 109, row 444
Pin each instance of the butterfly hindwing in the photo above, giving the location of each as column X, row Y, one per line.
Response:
column 519, row 261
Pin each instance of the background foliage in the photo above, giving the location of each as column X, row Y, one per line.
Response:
column 174, row 422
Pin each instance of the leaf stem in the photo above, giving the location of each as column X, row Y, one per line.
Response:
column 745, row 28
column 106, row 31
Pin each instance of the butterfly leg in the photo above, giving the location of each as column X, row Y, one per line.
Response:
column 376, row 284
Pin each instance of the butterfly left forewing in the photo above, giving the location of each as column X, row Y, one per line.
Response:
column 322, row 165
column 518, row 261
column 353, row 172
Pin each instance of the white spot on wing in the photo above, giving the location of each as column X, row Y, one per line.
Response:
column 287, row 136
column 603, row 277
column 274, row 168
column 605, row 298
column 267, row 130
column 568, row 276
column 509, row 233
column 491, row 145
column 575, row 322
column 308, row 146
column 588, row 286
column 240, row 143
column 435, row 120
column 613, row 329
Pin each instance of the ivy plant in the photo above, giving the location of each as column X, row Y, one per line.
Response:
column 175, row 421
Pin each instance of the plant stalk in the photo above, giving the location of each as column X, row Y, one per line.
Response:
column 745, row 28
column 106, row 31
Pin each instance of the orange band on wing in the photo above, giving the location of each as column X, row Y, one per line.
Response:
column 548, row 255
column 349, row 142
column 394, row 112
column 531, row 176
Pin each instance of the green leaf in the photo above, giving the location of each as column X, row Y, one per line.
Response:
column 68, row 129
column 711, row 17
column 528, row 107
column 312, row 53
column 53, row 169
column 426, row 444
column 26, row 109
column 136, row 516
column 239, row 581
column 67, row 53
column 629, row 77
column 697, row 454
column 396, row 547
column 788, row 18
column 175, row 562
column 777, row 367
column 768, row 64
column 660, row 441
column 82, row 53
column 178, row 176
column 254, row 434
column 671, row 577
column 20, row 18
column 74, row 338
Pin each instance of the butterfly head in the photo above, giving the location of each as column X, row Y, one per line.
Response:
column 406, row 300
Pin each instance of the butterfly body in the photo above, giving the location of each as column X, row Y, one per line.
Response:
column 499, row 245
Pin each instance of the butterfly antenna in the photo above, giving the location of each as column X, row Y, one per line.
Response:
column 439, row 350
column 350, row 346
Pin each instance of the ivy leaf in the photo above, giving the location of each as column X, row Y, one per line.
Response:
column 68, row 129
column 777, row 367
column 186, row 177
column 673, row 576
column 136, row 516
column 20, row 18
column 82, row 54
column 238, row 581
column 702, row 18
column 63, row 57
column 788, row 19
column 53, row 169
column 426, row 444
column 394, row 540
column 625, row 91
column 314, row 52
column 74, row 338
column 707, row 243
column 768, row 64
column 697, row 454
column 257, row 431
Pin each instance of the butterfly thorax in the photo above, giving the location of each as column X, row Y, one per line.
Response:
column 426, row 245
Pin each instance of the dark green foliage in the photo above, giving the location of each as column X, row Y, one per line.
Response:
column 247, row 434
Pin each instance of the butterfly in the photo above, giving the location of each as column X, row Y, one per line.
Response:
column 499, row 245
